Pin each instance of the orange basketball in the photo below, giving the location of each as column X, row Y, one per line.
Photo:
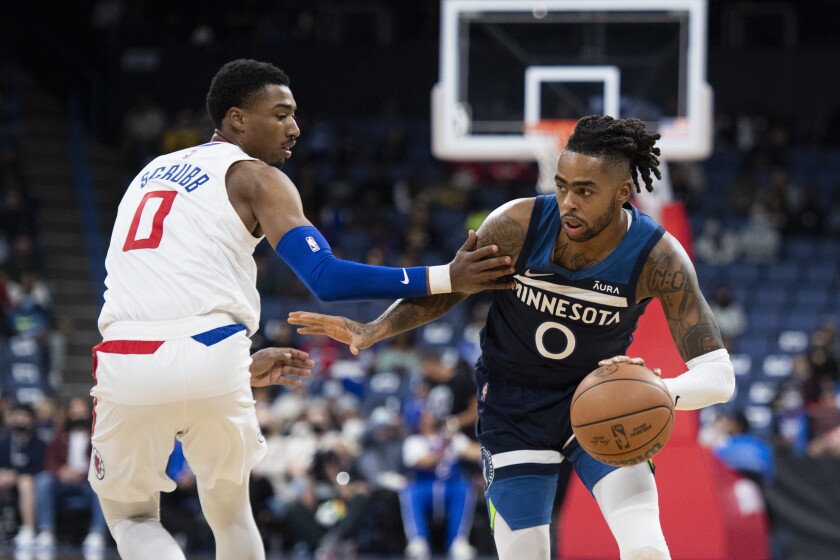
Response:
column 622, row 414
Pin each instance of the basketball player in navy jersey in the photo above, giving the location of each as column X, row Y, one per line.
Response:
column 587, row 263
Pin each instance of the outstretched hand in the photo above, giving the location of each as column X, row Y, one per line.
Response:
column 279, row 366
column 629, row 360
column 356, row 335
column 478, row 269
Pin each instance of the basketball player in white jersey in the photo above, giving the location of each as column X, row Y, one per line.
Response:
column 181, row 302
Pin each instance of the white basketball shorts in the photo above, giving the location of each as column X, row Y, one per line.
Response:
column 215, row 420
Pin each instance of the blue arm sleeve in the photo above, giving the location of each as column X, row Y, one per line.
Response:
column 309, row 255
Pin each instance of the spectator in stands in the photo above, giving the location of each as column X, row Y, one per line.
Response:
column 329, row 512
column 808, row 216
column 399, row 356
column 744, row 452
column 790, row 422
column 29, row 287
column 433, row 456
column 823, row 353
column 380, row 462
column 65, row 475
column 824, row 419
column 184, row 133
column 743, row 192
column 716, row 244
column 21, row 459
column 760, row 239
column 730, row 314
column 18, row 211
column 451, row 390
column 832, row 221
column 142, row 127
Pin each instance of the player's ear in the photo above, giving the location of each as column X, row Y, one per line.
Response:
column 237, row 118
column 625, row 191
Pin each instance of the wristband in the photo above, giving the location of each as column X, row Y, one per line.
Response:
column 439, row 281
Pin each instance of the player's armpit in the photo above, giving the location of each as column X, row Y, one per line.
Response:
column 669, row 276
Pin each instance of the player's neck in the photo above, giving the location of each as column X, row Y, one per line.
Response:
column 219, row 137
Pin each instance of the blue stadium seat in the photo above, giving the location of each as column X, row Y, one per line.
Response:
column 743, row 273
column 784, row 272
column 765, row 321
column 770, row 297
column 800, row 248
column 828, row 250
column 762, row 392
column 823, row 271
column 792, row 341
column 777, row 366
column 809, row 299
column 755, row 345
column 802, row 321
column 742, row 364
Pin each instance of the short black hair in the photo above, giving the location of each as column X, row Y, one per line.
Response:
column 24, row 407
column 620, row 140
column 235, row 83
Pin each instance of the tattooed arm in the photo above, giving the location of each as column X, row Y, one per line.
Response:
column 505, row 227
column 669, row 276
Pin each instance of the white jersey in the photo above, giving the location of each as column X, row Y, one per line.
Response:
column 179, row 252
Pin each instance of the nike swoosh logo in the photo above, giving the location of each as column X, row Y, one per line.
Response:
column 530, row 274
column 405, row 277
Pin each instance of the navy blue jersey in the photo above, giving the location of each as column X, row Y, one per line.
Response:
column 556, row 324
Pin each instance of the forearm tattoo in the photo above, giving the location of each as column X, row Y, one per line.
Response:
column 410, row 313
column 668, row 276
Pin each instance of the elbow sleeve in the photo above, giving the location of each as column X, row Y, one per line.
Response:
column 710, row 379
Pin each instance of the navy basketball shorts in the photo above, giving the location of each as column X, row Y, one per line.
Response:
column 525, row 433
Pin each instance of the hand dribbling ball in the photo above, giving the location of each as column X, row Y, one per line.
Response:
column 622, row 414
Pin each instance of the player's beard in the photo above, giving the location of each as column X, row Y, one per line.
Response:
column 598, row 225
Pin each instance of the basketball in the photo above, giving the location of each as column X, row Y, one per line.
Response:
column 622, row 414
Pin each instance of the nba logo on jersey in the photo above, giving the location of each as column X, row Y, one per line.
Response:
column 313, row 244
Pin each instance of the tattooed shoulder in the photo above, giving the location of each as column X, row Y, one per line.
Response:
column 507, row 227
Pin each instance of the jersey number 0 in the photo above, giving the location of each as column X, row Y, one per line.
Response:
column 153, row 241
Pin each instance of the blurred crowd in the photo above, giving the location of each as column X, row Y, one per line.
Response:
column 356, row 454
column 31, row 344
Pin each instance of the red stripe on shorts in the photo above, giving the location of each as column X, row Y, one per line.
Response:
column 121, row 347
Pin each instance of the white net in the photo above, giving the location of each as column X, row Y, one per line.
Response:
column 552, row 135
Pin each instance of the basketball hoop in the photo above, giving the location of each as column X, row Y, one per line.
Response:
column 554, row 134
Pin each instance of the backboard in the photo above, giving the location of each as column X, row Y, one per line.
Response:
column 506, row 64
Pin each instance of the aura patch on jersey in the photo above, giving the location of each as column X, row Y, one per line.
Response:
column 214, row 336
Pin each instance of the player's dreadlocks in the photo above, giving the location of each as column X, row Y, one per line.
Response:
column 620, row 140
column 237, row 82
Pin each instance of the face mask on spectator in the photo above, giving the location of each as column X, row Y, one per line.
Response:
column 81, row 424
column 20, row 429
